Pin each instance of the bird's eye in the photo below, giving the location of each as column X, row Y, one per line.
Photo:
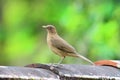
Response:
column 50, row 28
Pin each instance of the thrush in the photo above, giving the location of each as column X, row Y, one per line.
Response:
column 61, row 47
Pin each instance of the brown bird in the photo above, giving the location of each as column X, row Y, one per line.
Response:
column 60, row 46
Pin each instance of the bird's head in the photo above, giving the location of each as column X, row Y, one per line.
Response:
column 50, row 28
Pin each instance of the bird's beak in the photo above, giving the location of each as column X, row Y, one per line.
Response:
column 44, row 27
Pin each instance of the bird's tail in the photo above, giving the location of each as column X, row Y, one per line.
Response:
column 84, row 58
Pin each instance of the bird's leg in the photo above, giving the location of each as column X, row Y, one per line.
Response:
column 52, row 66
column 62, row 58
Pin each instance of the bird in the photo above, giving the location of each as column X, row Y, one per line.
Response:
column 61, row 47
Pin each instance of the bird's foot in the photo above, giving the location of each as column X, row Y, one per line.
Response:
column 56, row 65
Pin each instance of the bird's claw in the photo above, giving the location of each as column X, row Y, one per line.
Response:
column 52, row 66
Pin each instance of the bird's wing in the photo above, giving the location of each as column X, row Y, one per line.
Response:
column 61, row 44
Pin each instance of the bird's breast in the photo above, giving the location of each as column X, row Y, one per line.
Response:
column 50, row 43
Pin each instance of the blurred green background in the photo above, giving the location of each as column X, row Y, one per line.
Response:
column 91, row 26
